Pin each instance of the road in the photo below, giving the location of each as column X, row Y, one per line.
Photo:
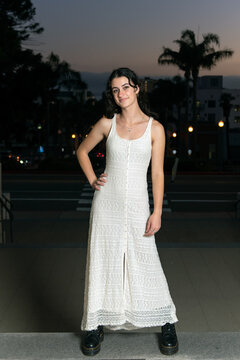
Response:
column 71, row 192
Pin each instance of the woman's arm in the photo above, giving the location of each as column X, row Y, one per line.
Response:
column 97, row 134
column 158, row 149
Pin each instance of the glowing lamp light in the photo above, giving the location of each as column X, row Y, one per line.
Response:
column 220, row 123
column 73, row 136
column 190, row 129
column 174, row 134
column 18, row 158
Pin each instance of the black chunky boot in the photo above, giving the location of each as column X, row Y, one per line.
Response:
column 169, row 341
column 91, row 343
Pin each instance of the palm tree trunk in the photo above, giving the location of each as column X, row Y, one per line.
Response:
column 194, row 115
column 227, row 137
column 187, row 101
column 183, row 143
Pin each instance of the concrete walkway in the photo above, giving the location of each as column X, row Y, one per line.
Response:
column 70, row 228
column 52, row 346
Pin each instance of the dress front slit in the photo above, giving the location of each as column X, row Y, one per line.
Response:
column 124, row 273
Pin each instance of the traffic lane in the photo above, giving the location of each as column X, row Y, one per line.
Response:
column 43, row 185
column 45, row 205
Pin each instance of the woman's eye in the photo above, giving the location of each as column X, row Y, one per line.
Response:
column 126, row 87
column 115, row 91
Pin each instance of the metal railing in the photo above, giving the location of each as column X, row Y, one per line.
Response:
column 6, row 219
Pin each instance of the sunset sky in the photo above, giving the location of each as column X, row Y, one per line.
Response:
column 99, row 35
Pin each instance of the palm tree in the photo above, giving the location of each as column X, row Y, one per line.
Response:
column 65, row 76
column 225, row 103
column 191, row 57
column 201, row 55
column 180, row 59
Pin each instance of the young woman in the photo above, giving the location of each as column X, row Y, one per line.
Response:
column 125, row 287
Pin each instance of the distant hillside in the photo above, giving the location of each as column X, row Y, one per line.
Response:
column 97, row 82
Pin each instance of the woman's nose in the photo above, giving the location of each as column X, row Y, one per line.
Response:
column 120, row 93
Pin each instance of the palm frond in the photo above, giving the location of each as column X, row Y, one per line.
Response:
column 210, row 38
column 210, row 60
column 188, row 37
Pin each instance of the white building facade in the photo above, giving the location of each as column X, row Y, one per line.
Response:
column 209, row 113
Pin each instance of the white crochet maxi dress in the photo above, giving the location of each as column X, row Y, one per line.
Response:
column 125, row 286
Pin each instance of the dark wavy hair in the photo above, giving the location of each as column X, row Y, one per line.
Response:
column 110, row 105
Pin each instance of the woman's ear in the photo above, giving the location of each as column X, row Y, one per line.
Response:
column 137, row 89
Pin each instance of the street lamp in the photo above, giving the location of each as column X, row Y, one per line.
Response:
column 220, row 123
column 190, row 130
column 75, row 143
column 222, row 143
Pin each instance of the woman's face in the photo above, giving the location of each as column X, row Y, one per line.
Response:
column 123, row 93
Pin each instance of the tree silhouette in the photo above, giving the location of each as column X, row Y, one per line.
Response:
column 179, row 59
column 193, row 56
column 201, row 55
column 16, row 26
column 29, row 86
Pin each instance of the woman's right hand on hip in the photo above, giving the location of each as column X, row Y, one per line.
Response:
column 100, row 181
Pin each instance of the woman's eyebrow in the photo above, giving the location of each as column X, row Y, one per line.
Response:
column 115, row 87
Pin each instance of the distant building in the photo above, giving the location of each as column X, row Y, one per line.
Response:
column 148, row 84
column 209, row 113
column 209, row 91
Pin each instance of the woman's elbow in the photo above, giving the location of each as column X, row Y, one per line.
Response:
column 158, row 176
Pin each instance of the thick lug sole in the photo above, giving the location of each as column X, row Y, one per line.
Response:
column 169, row 350
column 93, row 351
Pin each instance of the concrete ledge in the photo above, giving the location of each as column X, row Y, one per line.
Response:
column 50, row 346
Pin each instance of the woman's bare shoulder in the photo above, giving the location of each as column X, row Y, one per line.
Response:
column 103, row 124
column 157, row 128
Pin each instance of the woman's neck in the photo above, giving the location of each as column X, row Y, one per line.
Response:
column 132, row 115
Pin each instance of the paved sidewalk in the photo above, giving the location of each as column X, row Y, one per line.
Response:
column 70, row 228
column 42, row 273
column 66, row 346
